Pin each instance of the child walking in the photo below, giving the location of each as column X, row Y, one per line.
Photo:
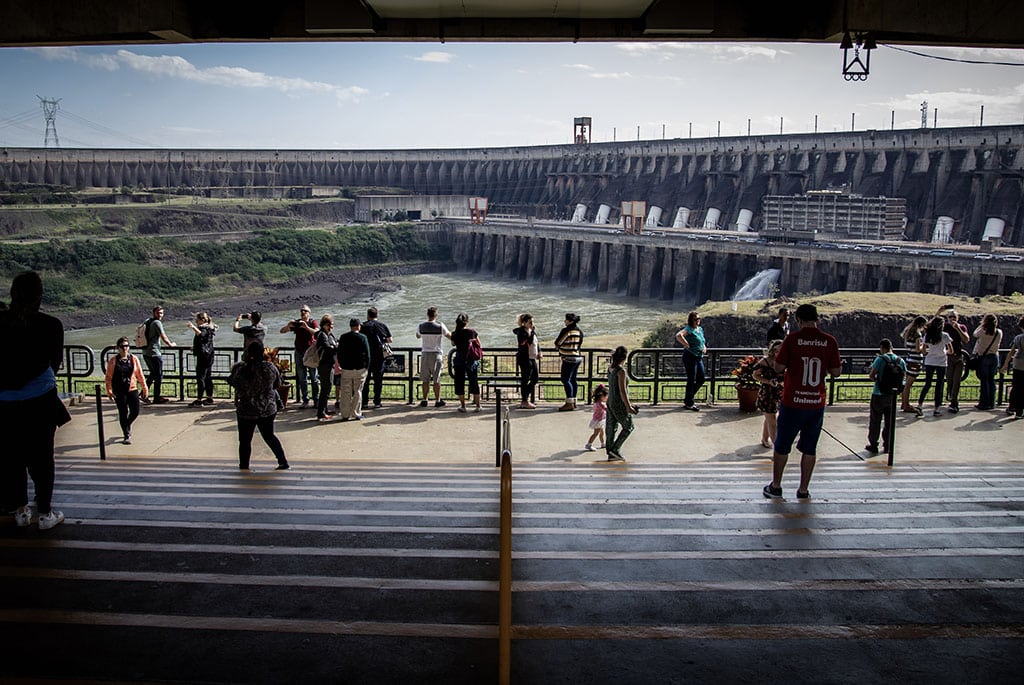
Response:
column 597, row 420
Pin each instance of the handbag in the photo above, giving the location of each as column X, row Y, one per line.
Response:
column 311, row 357
column 972, row 362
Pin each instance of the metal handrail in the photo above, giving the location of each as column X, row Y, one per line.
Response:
column 657, row 374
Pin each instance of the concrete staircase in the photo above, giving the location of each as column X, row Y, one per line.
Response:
column 368, row 572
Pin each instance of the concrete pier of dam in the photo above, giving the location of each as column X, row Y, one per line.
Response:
column 956, row 181
column 681, row 268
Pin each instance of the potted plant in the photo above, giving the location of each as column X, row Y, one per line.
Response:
column 284, row 365
column 747, row 385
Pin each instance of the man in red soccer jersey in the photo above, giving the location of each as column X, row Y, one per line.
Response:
column 804, row 359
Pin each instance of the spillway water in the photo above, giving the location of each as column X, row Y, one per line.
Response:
column 492, row 305
column 760, row 286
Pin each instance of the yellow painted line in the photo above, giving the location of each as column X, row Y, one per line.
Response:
column 771, row 632
column 261, row 625
column 269, row 550
column 254, row 580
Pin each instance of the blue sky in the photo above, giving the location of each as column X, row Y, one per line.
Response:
column 405, row 95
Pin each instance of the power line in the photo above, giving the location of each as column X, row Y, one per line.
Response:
column 953, row 59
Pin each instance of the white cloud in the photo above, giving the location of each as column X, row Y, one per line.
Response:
column 717, row 51
column 96, row 61
column 611, row 75
column 179, row 68
column 436, row 57
column 581, row 67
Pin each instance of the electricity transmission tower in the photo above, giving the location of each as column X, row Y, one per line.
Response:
column 50, row 108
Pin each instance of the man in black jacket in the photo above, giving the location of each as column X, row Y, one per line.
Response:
column 377, row 334
column 353, row 358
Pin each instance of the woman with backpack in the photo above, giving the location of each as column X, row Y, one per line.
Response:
column 202, row 347
column 256, row 381
column 124, row 384
column 937, row 345
column 466, row 363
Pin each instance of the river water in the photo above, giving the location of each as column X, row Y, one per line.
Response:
column 492, row 305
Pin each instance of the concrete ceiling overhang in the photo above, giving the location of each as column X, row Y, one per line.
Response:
column 967, row 23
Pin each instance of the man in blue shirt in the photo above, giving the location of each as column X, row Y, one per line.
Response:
column 882, row 398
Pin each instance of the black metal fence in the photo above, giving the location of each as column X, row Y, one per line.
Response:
column 657, row 375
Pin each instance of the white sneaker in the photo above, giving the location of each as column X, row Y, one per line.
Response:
column 23, row 516
column 588, row 447
column 50, row 520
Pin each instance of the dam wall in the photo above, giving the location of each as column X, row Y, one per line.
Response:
column 967, row 177
column 682, row 270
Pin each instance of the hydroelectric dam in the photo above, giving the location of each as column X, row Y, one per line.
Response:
column 960, row 185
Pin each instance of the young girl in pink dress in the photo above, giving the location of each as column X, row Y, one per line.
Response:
column 597, row 420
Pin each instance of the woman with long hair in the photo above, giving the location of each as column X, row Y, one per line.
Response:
column 465, row 369
column 527, row 356
column 988, row 336
column 570, row 345
column 256, row 381
column 32, row 347
column 202, row 347
column 769, row 394
column 125, row 381
column 620, row 409
column 938, row 345
column 912, row 337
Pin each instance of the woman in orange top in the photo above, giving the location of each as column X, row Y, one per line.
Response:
column 124, row 381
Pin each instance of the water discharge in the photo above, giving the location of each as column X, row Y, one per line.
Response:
column 760, row 286
column 492, row 305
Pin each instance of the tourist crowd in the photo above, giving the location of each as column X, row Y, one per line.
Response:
column 791, row 379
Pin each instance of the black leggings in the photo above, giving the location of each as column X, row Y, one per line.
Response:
column 246, row 428
column 127, row 410
column 204, row 376
column 527, row 379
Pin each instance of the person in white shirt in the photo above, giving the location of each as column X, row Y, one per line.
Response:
column 938, row 346
column 431, row 334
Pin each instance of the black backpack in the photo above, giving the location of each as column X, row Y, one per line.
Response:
column 892, row 377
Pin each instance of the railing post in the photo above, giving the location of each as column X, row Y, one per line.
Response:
column 99, row 423
column 890, row 426
column 497, row 427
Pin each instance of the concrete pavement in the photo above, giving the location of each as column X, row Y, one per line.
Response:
column 664, row 434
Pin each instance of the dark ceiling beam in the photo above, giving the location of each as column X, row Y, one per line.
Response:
column 968, row 23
